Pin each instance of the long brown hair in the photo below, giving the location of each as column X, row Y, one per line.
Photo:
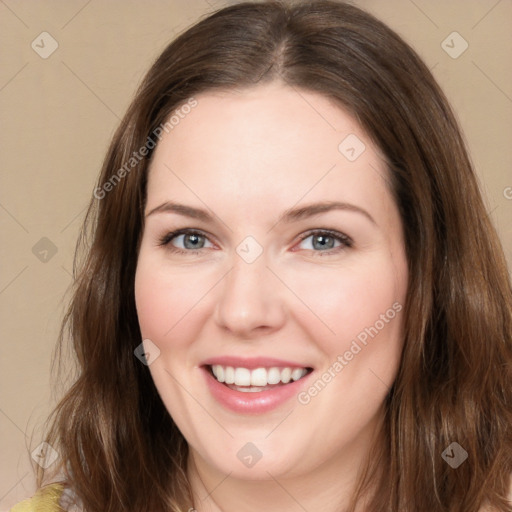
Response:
column 120, row 449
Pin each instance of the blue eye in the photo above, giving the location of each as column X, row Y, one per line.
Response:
column 321, row 242
column 189, row 240
column 326, row 241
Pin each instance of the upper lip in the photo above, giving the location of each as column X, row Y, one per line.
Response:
column 252, row 362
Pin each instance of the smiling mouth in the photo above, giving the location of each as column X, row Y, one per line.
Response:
column 257, row 379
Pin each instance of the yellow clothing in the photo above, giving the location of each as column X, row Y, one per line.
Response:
column 46, row 499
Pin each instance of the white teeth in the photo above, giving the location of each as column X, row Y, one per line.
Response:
column 249, row 389
column 297, row 373
column 257, row 378
column 273, row 376
column 242, row 377
column 229, row 375
column 219, row 372
column 286, row 375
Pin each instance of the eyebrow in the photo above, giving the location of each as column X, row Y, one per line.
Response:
column 289, row 216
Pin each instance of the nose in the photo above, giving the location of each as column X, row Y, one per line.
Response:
column 250, row 300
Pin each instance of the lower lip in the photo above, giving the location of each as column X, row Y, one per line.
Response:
column 252, row 403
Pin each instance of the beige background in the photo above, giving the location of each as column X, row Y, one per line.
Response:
column 59, row 113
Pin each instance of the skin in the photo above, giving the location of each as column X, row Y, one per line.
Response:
column 247, row 156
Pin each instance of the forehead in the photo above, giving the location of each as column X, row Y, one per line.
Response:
column 271, row 143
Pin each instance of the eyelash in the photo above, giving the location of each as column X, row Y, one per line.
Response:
column 346, row 242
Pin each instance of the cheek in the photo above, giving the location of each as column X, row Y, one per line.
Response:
column 369, row 335
column 344, row 303
column 152, row 302
column 362, row 306
column 166, row 301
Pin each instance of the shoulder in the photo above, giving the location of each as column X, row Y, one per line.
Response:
column 46, row 499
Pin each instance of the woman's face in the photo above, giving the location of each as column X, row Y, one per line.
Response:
column 288, row 263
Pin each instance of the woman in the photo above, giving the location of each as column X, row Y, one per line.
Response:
column 293, row 298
